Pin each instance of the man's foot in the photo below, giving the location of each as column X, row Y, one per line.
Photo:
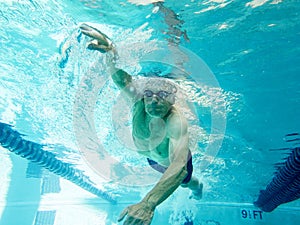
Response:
column 99, row 40
column 197, row 193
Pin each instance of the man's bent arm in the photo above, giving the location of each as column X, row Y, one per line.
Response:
column 169, row 182
column 177, row 171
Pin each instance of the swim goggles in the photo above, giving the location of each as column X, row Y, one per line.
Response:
column 160, row 94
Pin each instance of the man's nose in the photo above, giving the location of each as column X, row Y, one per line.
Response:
column 155, row 98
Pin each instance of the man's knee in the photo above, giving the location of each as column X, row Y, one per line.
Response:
column 184, row 185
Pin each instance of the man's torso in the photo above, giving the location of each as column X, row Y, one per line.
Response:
column 150, row 135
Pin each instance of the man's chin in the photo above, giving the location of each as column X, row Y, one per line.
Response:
column 156, row 113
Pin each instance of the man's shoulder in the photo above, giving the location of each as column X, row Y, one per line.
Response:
column 139, row 104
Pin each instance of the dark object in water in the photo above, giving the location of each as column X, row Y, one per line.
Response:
column 14, row 142
column 285, row 185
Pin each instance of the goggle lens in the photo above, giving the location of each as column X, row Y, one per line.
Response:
column 161, row 94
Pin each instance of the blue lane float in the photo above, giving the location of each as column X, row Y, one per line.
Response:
column 14, row 142
column 285, row 185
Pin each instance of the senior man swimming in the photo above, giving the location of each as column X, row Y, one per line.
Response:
column 159, row 132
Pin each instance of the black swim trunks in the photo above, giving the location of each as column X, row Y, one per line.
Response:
column 162, row 169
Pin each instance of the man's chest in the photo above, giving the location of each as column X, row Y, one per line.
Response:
column 152, row 138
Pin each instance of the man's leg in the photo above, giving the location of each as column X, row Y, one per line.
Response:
column 192, row 182
column 196, row 188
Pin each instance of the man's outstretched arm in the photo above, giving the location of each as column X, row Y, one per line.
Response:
column 101, row 42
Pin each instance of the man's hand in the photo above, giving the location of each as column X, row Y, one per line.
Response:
column 138, row 214
column 99, row 40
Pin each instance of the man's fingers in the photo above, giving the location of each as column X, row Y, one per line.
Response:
column 84, row 26
column 123, row 214
column 95, row 46
column 86, row 29
column 95, row 33
column 133, row 221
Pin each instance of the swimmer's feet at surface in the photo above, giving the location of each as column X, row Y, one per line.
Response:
column 99, row 40
column 197, row 193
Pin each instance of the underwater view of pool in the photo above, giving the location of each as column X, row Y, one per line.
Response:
column 66, row 150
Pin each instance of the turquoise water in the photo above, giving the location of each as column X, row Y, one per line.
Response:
column 251, row 89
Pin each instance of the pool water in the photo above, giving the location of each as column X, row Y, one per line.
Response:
column 237, row 63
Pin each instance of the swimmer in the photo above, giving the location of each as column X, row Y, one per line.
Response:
column 159, row 132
